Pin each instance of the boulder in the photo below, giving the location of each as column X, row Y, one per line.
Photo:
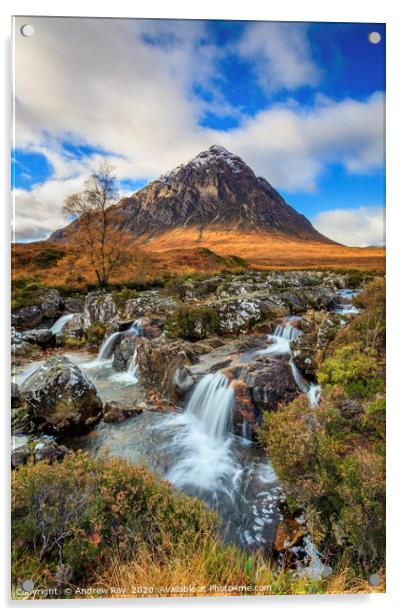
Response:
column 44, row 448
column 74, row 304
column 238, row 315
column 61, row 398
column 40, row 337
column 244, row 407
column 115, row 412
column 319, row 298
column 46, row 308
column 16, row 398
column 270, row 381
column 150, row 303
column 161, row 365
column 75, row 326
column 124, row 351
column 23, row 349
column 182, row 379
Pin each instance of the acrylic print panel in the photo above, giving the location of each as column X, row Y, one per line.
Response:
column 197, row 308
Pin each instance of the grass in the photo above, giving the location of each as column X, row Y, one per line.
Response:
column 178, row 253
column 217, row 570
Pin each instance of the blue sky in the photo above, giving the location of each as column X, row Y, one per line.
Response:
column 303, row 104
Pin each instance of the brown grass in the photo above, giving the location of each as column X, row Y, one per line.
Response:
column 178, row 252
column 220, row 571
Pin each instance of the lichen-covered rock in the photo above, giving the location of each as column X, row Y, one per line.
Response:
column 43, row 449
column 99, row 308
column 150, row 303
column 74, row 304
column 319, row 298
column 240, row 315
column 46, row 308
column 61, row 398
column 23, row 349
column 182, row 379
column 159, row 361
column 75, row 326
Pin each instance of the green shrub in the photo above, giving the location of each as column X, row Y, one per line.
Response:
column 95, row 333
column 72, row 342
column 25, row 292
column 75, row 516
column 193, row 323
column 356, row 371
column 121, row 297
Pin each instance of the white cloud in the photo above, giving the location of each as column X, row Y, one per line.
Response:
column 282, row 55
column 97, row 82
column 361, row 226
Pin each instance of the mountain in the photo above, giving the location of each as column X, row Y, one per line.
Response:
column 215, row 191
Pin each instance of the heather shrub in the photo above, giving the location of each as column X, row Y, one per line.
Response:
column 95, row 333
column 73, row 517
column 193, row 323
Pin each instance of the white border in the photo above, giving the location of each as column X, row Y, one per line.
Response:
column 388, row 11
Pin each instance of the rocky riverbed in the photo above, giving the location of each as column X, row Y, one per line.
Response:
column 179, row 382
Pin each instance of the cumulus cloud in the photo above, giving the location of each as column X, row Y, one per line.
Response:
column 361, row 226
column 128, row 88
column 281, row 54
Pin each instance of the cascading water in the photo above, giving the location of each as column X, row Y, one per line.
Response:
column 209, row 461
column 107, row 347
column 105, row 353
column 136, row 328
column 130, row 376
column 212, row 402
column 58, row 325
column 280, row 343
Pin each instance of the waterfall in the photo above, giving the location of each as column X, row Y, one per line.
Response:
column 281, row 338
column 287, row 331
column 107, row 347
column 58, row 325
column 212, row 402
column 312, row 390
column 136, row 328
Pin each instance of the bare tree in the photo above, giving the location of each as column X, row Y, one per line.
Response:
column 97, row 233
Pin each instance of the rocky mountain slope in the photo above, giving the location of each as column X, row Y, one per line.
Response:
column 216, row 190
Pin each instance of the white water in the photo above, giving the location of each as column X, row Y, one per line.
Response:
column 107, row 347
column 58, row 326
column 136, row 328
column 212, row 402
column 280, row 343
column 130, row 376
column 105, row 354
column 207, row 462
column 347, row 307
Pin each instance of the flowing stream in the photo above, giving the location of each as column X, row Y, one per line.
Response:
column 194, row 448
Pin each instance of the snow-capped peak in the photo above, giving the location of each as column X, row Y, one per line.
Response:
column 206, row 157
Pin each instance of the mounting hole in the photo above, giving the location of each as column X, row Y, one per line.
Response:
column 27, row 30
column 374, row 38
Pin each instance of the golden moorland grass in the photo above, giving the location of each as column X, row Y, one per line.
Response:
column 183, row 252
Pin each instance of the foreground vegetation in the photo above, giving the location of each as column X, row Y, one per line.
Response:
column 331, row 459
column 107, row 524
